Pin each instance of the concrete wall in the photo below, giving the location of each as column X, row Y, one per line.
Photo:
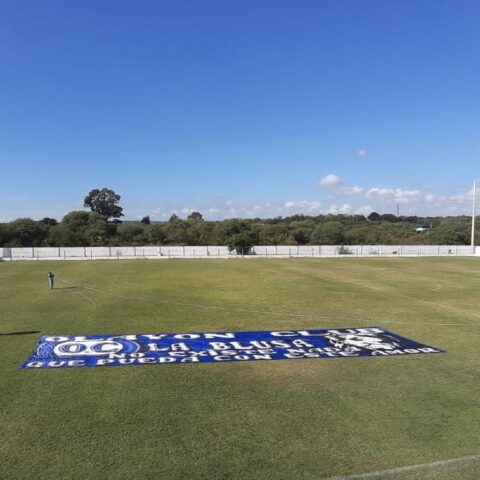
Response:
column 258, row 251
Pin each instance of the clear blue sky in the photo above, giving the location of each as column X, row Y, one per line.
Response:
column 239, row 108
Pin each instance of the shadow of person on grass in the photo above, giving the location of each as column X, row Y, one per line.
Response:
column 30, row 332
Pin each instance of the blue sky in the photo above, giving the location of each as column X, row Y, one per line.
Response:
column 239, row 108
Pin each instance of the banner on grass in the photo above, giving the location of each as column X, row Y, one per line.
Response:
column 63, row 351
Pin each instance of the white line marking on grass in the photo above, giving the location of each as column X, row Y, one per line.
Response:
column 78, row 293
column 409, row 468
column 267, row 312
column 41, row 297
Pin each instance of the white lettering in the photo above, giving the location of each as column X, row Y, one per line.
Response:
column 219, row 335
column 167, row 360
column 76, row 363
column 56, row 339
column 55, row 364
column 147, row 360
column 35, row 364
column 104, row 361
column 286, row 333
column 186, row 336
column 308, row 333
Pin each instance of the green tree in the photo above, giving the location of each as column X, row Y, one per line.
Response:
column 146, row 220
column 49, row 221
column 195, row 216
column 155, row 234
column 199, row 232
column 452, row 232
column 63, row 236
column 25, row 232
column 176, row 231
column 330, row 233
column 238, row 234
column 4, row 234
column 104, row 202
column 81, row 228
column 132, row 233
column 276, row 234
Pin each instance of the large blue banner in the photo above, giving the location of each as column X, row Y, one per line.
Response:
column 63, row 351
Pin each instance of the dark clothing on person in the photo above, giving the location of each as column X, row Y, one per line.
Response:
column 51, row 279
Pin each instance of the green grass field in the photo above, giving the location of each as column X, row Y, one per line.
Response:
column 293, row 419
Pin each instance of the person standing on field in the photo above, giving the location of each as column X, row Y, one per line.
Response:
column 51, row 280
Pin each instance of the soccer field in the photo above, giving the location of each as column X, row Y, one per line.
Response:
column 292, row 419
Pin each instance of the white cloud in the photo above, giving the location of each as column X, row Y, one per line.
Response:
column 356, row 190
column 365, row 210
column 331, row 180
column 261, row 206
column 389, row 195
column 303, row 206
column 229, row 202
column 346, row 208
column 214, row 211
column 362, row 152
column 187, row 210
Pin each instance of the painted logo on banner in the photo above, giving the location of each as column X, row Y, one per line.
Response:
column 115, row 350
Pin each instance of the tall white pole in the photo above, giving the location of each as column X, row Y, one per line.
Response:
column 474, row 204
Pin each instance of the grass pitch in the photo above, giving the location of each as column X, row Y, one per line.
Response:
column 299, row 419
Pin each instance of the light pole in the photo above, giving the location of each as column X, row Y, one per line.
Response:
column 474, row 204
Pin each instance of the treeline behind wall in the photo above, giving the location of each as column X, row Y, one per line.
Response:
column 82, row 228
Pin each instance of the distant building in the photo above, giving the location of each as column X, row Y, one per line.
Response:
column 422, row 228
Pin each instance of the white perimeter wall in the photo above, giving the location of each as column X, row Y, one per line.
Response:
column 258, row 251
